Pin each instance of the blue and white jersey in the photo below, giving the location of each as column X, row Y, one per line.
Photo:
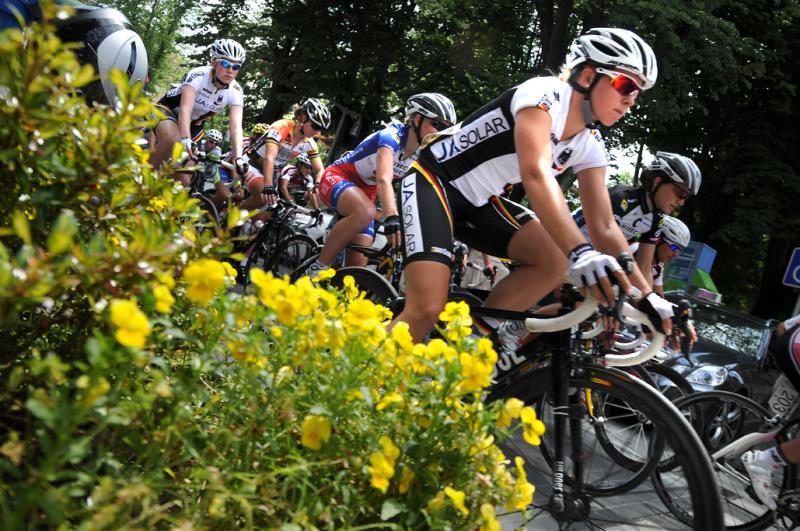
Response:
column 363, row 160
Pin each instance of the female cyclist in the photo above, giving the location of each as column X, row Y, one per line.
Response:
column 287, row 139
column 666, row 184
column 351, row 184
column 674, row 236
column 530, row 133
column 204, row 92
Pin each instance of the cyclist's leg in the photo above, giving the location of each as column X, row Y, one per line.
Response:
column 542, row 264
column 166, row 133
column 356, row 209
column 365, row 237
column 427, row 215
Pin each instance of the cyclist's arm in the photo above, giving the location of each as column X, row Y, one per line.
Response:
column 532, row 139
column 270, row 152
column 604, row 231
column 185, row 110
column 384, row 173
column 284, row 187
column 317, row 169
column 644, row 259
column 236, row 131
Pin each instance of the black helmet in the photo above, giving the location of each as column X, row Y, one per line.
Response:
column 108, row 42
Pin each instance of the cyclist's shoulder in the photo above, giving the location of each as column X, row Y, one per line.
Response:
column 282, row 127
column 196, row 74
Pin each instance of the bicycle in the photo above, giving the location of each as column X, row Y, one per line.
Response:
column 729, row 425
column 566, row 374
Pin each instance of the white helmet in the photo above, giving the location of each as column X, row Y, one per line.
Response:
column 317, row 112
column 214, row 135
column 679, row 169
column 675, row 231
column 615, row 48
column 108, row 41
column 432, row 105
column 227, row 49
column 302, row 159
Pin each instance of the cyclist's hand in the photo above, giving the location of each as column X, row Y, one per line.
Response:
column 270, row 195
column 591, row 269
column 187, row 146
column 242, row 166
column 237, row 193
column 490, row 273
column 659, row 310
column 391, row 228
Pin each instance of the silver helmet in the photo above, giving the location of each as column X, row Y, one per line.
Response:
column 432, row 105
column 679, row 169
column 675, row 231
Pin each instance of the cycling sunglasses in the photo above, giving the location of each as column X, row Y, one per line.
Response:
column 228, row 64
column 314, row 126
column 681, row 192
column 674, row 247
column 622, row 83
column 439, row 125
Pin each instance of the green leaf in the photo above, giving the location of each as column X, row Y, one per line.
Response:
column 21, row 226
column 391, row 508
column 61, row 236
column 41, row 411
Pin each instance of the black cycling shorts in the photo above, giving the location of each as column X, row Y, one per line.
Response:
column 435, row 213
column 195, row 130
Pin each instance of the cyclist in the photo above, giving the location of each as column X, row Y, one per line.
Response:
column 204, row 92
column 297, row 176
column 286, row 139
column 761, row 465
column 674, row 236
column 353, row 183
column 666, row 183
column 529, row 134
column 107, row 41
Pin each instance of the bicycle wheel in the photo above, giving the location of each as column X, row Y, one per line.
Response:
column 377, row 288
column 620, row 430
column 720, row 418
column 666, row 425
column 211, row 218
column 260, row 253
column 290, row 253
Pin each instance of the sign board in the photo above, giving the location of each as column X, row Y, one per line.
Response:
column 792, row 276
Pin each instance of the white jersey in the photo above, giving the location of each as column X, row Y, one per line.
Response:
column 478, row 156
column 209, row 99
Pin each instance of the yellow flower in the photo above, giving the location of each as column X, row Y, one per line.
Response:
column 475, row 373
column 276, row 332
column 316, row 430
column 453, row 311
column 382, row 464
column 522, row 495
column 205, row 278
column 532, row 428
column 230, row 272
column 486, row 351
column 157, row 204
column 99, row 389
column 326, row 274
column 436, row 503
column 350, row 289
column 388, row 400
column 381, row 470
column 489, row 522
column 132, row 324
column 166, row 279
column 457, row 497
column 511, row 410
column 164, row 298
column 406, row 477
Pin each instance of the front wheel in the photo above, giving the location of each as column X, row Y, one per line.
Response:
column 602, row 388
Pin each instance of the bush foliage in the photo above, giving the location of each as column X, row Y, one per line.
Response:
column 139, row 391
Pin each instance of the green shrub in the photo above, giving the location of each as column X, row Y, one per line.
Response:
column 140, row 391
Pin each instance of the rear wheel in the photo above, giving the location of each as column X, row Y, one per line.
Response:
column 262, row 251
column 377, row 288
column 292, row 252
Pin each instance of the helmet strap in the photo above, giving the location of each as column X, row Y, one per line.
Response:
column 587, row 97
column 417, row 129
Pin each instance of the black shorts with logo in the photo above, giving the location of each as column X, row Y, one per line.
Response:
column 435, row 213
